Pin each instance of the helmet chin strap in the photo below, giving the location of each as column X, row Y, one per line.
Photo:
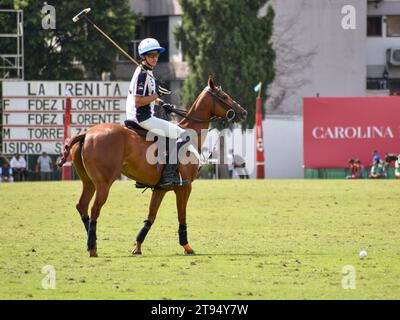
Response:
column 147, row 62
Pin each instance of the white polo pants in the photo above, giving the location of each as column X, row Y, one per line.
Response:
column 167, row 129
column 162, row 127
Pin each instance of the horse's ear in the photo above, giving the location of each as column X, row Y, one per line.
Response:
column 211, row 82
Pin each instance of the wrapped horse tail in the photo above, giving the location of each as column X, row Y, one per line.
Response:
column 67, row 147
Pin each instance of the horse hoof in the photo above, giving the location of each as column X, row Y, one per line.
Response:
column 187, row 249
column 93, row 254
column 136, row 252
column 190, row 252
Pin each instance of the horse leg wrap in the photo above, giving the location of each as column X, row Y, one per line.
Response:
column 85, row 221
column 183, row 234
column 91, row 243
column 143, row 232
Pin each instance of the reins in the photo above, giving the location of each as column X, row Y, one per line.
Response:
column 229, row 116
column 223, row 121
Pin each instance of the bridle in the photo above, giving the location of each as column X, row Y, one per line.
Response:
column 229, row 115
column 221, row 121
column 230, row 111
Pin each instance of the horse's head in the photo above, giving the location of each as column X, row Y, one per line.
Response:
column 224, row 106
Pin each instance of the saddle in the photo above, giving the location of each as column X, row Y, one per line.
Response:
column 132, row 125
column 159, row 113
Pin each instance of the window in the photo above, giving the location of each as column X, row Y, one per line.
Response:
column 374, row 27
column 158, row 27
column 393, row 26
column 152, row 27
column 394, row 86
column 377, row 84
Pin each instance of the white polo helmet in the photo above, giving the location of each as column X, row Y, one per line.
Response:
column 148, row 45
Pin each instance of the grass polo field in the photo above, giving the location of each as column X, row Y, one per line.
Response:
column 253, row 239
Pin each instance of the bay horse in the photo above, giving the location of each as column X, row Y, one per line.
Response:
column 105, row 151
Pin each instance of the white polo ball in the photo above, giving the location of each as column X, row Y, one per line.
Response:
column 363, row 254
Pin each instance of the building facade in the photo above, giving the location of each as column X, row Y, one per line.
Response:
column 383, row 46
column 319, row 55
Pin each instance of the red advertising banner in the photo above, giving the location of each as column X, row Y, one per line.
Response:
column 339, row 129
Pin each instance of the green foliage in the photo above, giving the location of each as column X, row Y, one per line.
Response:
column 55, row 54
column 226, row 39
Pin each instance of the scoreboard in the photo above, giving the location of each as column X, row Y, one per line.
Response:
column 33, row 112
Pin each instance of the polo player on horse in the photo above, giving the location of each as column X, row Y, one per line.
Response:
column 143, row 97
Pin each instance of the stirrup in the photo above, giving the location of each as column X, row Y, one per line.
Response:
column 140, row 185
column 168, row 184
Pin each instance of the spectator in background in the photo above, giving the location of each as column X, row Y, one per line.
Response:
column 239, row 165
column 359, row 169
column 356, row 169
column 376, row 170
column 384, row 166
column 18, row 164
column 44, row 165
column 6, row 173
column 389, row 159
column 3, row 160
column 229, row 159
column 375, row 156
column 397, row 167
column 351, row 169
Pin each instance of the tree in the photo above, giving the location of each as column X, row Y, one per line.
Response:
column 73, row 50
column 229, row 40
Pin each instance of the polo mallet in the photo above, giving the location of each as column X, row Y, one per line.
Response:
column 84, row 15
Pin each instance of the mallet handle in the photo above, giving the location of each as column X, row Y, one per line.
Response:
column 117, row 46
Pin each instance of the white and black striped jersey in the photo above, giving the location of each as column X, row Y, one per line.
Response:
column 141, row 85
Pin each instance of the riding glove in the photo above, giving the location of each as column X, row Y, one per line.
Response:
column 168, row 107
